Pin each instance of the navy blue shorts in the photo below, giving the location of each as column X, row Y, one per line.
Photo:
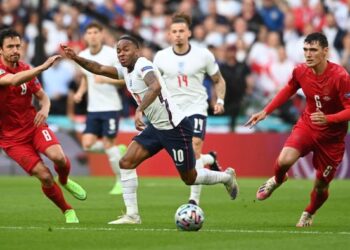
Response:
column 199, row 124
column 102, row 123
column 177, row 142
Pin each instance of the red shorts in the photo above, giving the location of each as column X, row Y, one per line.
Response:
column 27, row 154
column 327, row 155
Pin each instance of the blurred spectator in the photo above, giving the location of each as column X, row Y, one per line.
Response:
column 240, row 32
column 251, row 16
column 345, row 58
column 303, row 15
column 239, row 82
column 272, row 15
column 56, row 81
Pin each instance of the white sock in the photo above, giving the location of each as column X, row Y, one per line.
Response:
column 209, row 177
column 114, row 157
column 207, row 159
column 196, row 189
column 129, row 186
column 97, row 147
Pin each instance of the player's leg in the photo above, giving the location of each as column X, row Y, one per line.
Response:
column 286, row 159
column 92, row 132
column 27, row 157
column 326, row 158
column 196, row 190
column 142, row 147
column 46, row 142
column 110, row 124
column 178, row 143
column 298, row 144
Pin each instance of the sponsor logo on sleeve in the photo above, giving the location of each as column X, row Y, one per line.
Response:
column 146, row 68
column 347, row 95
column 2, row 72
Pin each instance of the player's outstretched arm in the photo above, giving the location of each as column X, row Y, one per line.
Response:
column 90, row 65
column 256, row 118
column 27, row 75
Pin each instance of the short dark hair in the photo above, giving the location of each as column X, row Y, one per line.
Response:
column 8, row 32
column 131, row 39
column 94, row 25
column 181, row 18
column 317, row 37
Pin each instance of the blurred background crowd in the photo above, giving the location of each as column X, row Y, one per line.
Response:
column 256, row 42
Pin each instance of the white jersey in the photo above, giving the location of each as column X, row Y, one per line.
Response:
column 163, row 112
column 101, row 96
column 184, row 75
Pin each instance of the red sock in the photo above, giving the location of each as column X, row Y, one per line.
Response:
column 63, row 172
column 317, row 200
column 55, row 194
column 280, row 173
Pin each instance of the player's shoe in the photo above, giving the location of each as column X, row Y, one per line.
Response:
column 215, row 166
column 71, row 217
column 117, row 189
column 266, row 189
column 305, row 220
column 75, row 189
column 126, row 219
column 193, row 202
column 122, row 149
column 232, row 185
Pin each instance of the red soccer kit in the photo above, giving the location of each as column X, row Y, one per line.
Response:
column 19, row 137
column 330, row 93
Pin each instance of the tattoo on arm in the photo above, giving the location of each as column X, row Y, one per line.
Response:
column 154, row 89
column 219, row 84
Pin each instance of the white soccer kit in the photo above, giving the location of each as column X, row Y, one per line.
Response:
column 162, row 113
column 184, row 75
column 101, row 96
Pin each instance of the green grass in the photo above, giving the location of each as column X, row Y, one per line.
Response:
column 29, row 221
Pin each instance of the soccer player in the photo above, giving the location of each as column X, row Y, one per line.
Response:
column 168, row 128
column 320, row 129
column 183, row 75
column 104, row 102
column 24, row 133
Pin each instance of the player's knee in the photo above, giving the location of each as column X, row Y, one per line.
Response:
column 45, row 177
column 285, row 161
column 188, row 179
column 125, row 163
column 58, row 158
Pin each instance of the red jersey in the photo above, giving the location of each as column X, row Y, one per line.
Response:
column 329, row 92
column 17, row 111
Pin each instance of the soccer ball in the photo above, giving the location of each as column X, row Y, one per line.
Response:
column 189, row 217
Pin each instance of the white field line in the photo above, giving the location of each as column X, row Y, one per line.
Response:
column 243, row 231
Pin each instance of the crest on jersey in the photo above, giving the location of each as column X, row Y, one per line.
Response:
column 326, row 98
column 347, row 95
column 2, row 71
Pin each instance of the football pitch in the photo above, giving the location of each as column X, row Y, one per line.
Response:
column 29, row 221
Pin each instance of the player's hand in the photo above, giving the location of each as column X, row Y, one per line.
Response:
column 51, row 61
column 218, row 109
column 77, row 97
column 255, row 119
column 68, row 51
column 40, row 118
column 139, row 124
column 318, row 118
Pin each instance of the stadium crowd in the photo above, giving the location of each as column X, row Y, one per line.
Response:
column 256, row 43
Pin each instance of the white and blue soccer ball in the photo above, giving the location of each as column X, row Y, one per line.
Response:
column 189, row 217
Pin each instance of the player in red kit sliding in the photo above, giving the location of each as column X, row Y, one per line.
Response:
column 320, row 129
column 23, row 132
